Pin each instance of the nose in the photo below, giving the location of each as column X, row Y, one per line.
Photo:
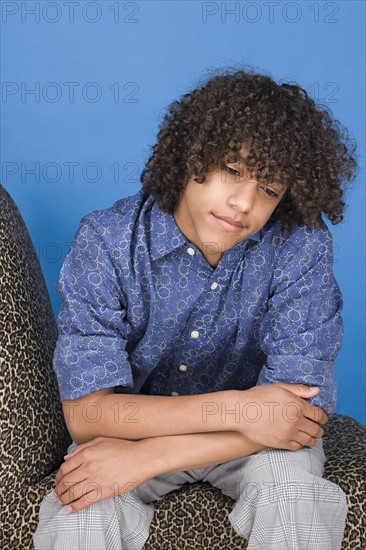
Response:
column 243, row 198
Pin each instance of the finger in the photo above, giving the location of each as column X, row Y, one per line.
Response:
column 301, row 439
column 316, row 414
column 301, row 390
column 313, row 429
column 75, row 490
column 80, row 448
column 293, row 445
column 85, row 501
column 71, row 453
column 72, row 464
column 305, row 439
column 67, row 483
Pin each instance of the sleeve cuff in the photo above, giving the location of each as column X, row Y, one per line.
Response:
column 299, row 369
column 84, row 364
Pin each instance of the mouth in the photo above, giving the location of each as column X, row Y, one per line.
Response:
column 229, row 224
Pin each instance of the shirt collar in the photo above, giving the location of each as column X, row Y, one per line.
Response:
column 165, row 235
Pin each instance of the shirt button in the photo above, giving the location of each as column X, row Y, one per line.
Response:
column 195, row 334
column 183, row 367
column 191, row 251
column 174, row 393
column 214, row 285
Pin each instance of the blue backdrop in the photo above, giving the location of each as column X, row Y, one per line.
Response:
column 85, row 85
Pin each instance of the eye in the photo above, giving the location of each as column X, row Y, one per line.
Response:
column 235, row 173
column 231, row 171
column 270, row 193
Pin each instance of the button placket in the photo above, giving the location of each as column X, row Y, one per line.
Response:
column 193, row 334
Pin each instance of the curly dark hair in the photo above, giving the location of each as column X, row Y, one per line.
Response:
column 293, row 140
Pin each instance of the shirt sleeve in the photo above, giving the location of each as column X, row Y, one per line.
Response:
column 302, row 330
column 92, row 328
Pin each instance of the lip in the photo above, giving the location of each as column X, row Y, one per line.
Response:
column 229, row 224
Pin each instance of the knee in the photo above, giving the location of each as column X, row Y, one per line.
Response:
column 51, row 511
column 321, row 492
column 280, row 465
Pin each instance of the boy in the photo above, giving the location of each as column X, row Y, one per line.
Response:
column 195, row 316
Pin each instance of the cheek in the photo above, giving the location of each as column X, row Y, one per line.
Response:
column 197, row 196
column 269, row 205
column 197, row 211
column 262, row 215
column 200, row 204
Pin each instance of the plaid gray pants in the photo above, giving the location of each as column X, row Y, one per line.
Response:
column 281, row 500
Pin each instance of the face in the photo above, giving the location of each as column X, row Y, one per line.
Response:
column 226, row 208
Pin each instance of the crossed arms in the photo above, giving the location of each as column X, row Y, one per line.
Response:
column 169, row 434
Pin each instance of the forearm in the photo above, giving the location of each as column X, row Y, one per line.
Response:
column 185, row 452
column 136, row 417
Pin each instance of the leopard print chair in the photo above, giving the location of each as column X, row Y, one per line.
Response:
column 35, row 438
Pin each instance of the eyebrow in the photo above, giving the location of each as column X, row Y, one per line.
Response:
column 278, row 183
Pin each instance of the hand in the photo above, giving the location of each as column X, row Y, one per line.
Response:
column 279, row 417
column 102, row 468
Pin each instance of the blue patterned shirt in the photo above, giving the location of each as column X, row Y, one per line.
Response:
column 144, row 312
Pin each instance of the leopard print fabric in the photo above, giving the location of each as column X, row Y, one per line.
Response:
column 35, row 439
column 195, row 516
column 33, row 433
